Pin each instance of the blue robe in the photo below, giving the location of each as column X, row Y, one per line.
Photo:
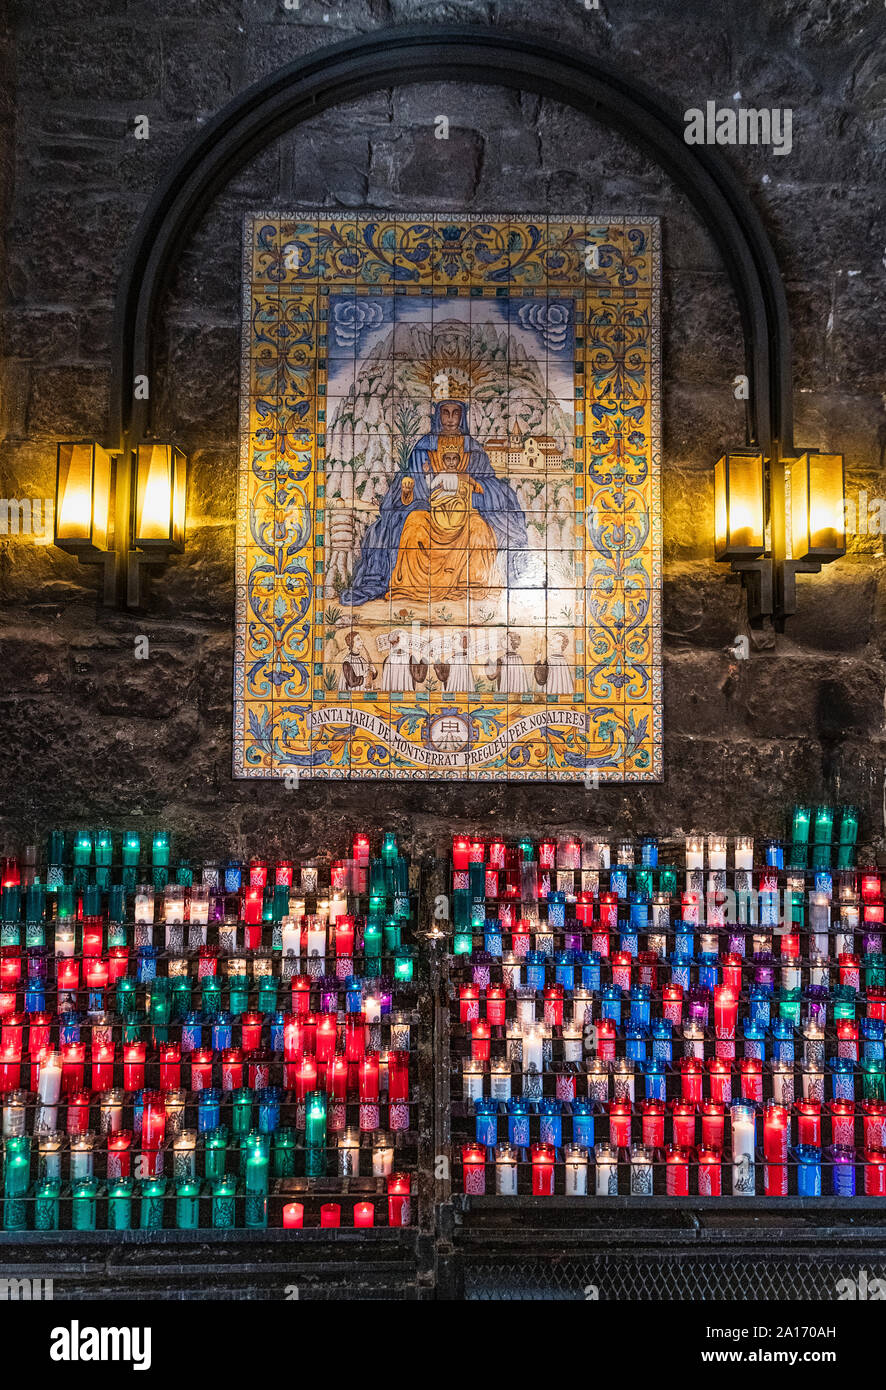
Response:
column 497, row 504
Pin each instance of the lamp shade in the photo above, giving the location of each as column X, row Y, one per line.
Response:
column 159, row 497
column 739, row 527
column 818, row 523
column 82, row 497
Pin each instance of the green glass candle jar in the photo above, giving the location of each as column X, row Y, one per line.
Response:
column 789, row 1005
column 267, row 994
column 824, row 825
column 215, row 1153
column 210, row 996
column 238, row 994
column 257, row 1166
column 874, row 971
column 83, row 1204
column 800, row 823
column 187, row 1205
column 315, row 1135
column 46, row 1202
column 849, row 825
column 153, row 1191
column 372, row 943
column 404, row 964
column 667, row 879
column 284, row 1153
column 241, row 1110
column 873, row 1080
column 120, row 1204
column 844, row 1002
column 224, row 1192
column 16, row 1181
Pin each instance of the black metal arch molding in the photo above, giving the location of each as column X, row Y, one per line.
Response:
column 485, row 57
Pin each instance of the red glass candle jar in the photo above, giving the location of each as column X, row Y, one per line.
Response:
column 875, row 1172
column 620, row 1124
column 232, row 1069
column 543, row 1158
column 170, row 1066
column 473, row 1162
column 468, row 1003
column 691, row 1079
column 481, row 1035
column 201, row 1069
column 751, row 1069
column 719, row 1080
column 683, row 1120
column 677, row 1171
column 842, row 1122
column 399, row 1201
column 672, row 1003
column 653, row 1112
column 874, row 1124
column 809, row 1123
column 496, row 1005
column 713, row 1124
column 710, row 1172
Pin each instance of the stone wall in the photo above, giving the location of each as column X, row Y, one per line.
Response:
column 92, row 734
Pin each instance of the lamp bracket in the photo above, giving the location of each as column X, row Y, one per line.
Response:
column 758, row 579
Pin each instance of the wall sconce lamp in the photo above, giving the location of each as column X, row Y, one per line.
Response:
column 83, row 500
column 134, row 519
column 740, row 523
column 772, row 529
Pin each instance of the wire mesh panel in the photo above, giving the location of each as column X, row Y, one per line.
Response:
column 681, row 1278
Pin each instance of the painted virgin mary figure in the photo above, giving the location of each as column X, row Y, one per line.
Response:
column 447, row 524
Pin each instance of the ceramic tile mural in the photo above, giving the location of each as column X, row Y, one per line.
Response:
column 448, row 520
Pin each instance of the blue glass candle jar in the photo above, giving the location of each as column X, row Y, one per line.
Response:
column 681, row 970
column 684, row 939
column 564, row 969
column 773, row 851
column 783, row 1049
column 610, row 1003
column 808, row 1170
column 589, row 962
column 192, row 1032
column 628, row 941
column 233, row 876
column 707, row 970
column 635, row 1042
column 353, row 994
column 208, row 1110
column 618, row 881
column 518, row 1122
column 278, row 1020
column 842, row 1160
column 222, row 1032
column 872, row 1038
column 639, row 915
column 649, row 851
column 556, row 910
column 551, row 1122
column 486, row 1121
column 641, row 1004
column 754, row 1035
column 655, row 1079
column 842, row 1078
column 146, row 964
column 583, row 1123
column 662, row 1032
column 35, row 996
column 760, row 1000
column 492, row 937
column 268, row 1109
column 535, row 969
column 69, row 1028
